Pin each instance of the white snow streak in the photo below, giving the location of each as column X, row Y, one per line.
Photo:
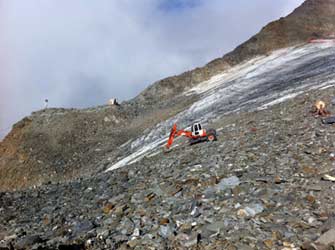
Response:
column 237, row 82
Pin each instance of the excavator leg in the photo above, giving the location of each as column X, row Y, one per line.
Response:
column 211, row 135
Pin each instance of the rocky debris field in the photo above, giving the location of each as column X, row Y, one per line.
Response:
column 55, row 145
column 262, row 185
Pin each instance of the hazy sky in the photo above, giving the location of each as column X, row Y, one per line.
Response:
column 79, row 53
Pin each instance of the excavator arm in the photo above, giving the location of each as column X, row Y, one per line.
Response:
column 174, row 133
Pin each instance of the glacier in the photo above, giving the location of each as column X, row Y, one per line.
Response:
column 256, row 84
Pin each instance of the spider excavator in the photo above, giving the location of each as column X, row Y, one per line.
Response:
column 196, row 135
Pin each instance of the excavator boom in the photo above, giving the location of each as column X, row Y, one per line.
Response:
column 174, row 133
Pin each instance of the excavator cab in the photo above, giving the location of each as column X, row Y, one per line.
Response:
column 197, row 130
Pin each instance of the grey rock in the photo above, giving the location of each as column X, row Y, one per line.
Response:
column 137, row 232
column 216, row 226
column 28, row 241
column 254, row 209
column 191, row 240
column 158, row 191
column 126, row 226
column 327, row 238
column 328, row 224
column 210, row 193
column 195, row 212
column 228, row 183
column 3, row 245
column 120, row 239
column 108, row 221
column 102, row 233
column 56, row 241
column 83, row 227
column 137, row 198
column 165, row 231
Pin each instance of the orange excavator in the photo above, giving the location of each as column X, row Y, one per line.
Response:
column 196, row 135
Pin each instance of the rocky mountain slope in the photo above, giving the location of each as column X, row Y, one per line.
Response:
column 59, row 144
column 260, row 186
column 55, row 145
column 99, row 178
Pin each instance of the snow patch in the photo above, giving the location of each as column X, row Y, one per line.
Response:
column 136, row 156
column 257, row 84
column 280, row 100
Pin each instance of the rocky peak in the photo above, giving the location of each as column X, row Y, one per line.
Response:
column 313, row 19
column 316, row 9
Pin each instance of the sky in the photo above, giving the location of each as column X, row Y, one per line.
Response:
column 80, row 53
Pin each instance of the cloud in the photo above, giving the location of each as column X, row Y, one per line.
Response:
column 178, row 5
column 80, row 53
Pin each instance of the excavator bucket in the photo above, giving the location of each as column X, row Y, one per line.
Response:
column 172, row 135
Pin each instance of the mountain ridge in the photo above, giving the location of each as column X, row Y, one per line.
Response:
column 297, row 28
